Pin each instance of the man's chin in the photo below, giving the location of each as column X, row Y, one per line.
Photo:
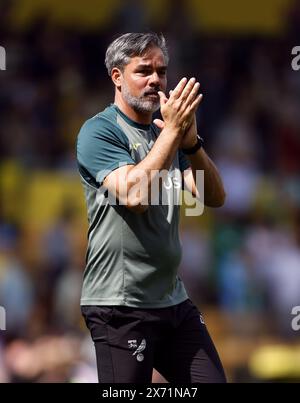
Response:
column 148, row 107
column 153, row 106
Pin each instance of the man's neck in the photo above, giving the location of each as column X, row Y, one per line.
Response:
column 138, row 117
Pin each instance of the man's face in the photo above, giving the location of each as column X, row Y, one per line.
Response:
column 143, row 77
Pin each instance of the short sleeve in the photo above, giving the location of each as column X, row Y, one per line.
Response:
column 102, row 147
column 183, row 161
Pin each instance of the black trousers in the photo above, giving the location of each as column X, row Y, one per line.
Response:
column 130, row 342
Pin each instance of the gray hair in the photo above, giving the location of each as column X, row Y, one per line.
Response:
column 122, row 49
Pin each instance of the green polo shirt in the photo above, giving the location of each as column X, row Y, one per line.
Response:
column 132, row 259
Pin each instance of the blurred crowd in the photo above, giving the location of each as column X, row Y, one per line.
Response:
column 241, row 261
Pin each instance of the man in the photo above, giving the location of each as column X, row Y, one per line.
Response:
column 134, row 304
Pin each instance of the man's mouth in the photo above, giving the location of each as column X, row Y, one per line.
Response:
column 152, row 94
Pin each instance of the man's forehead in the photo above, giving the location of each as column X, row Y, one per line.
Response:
column 146, row 63
column 149, row 59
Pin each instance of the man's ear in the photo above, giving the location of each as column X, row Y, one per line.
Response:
column 116, row 76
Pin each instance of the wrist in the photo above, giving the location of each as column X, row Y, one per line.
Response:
column 176, row 131
column 192, row 144
column 197, row 145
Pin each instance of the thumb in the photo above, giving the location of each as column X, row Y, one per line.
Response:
column 162, row 97
column 159, row 123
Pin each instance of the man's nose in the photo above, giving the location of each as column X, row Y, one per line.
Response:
column 154, row 79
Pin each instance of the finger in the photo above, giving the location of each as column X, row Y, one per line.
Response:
column 196, row 103
column 159, row 123
column 193, row 94
column 179, row 88
column 188, row 88
column 162, row 98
